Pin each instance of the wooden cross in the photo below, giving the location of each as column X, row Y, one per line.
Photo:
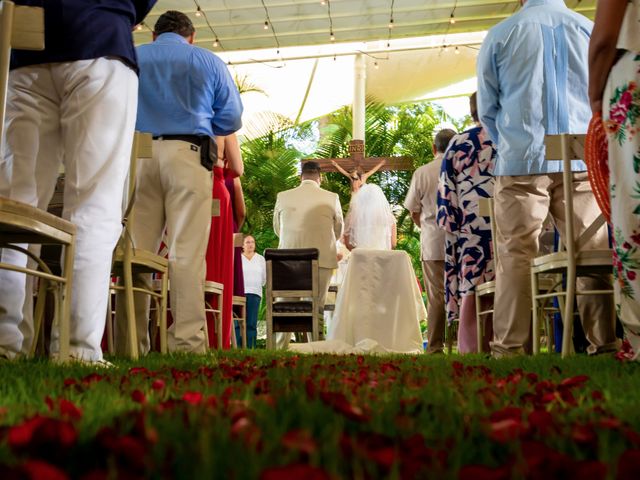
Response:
column 357, row 161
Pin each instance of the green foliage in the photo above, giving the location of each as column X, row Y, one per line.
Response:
column 271, row 163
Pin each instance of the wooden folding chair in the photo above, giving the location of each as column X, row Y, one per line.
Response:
column 292, row 292
column 214, row 292
column 240, row 316
column 129, row 260
column 575, row 261
column 485, row 209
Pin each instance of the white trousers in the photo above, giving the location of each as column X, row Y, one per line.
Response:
column 81, row 114
column 173, row 191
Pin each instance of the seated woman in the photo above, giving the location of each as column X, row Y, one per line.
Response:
column 357, row 178
column 466, row 176
column 370, row 222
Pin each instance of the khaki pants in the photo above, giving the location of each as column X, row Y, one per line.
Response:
column 324, row 278
column 433, row 275
column 173, row 191
column 521, row 206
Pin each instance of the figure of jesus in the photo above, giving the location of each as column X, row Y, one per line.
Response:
column 356, row 177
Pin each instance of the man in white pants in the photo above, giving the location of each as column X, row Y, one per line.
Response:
column 73, row 104
column 186, row 96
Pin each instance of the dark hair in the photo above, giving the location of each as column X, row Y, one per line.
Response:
column 310, row 168
column 442, row 139
column 473, row 106
column 173, row 21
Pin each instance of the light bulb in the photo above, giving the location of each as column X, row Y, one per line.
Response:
column 446, row 48
column 323, row 2
column 457, row 51
column 138, row 27
column 452, row 20
column 266, row 25
column 198, row 12
column 332, row 37
column 375, row 64
column 391, row 23
column 216, row 42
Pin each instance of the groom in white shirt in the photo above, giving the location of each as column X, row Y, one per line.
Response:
column 310, row 217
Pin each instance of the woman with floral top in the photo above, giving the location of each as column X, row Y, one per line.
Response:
column 614, row 90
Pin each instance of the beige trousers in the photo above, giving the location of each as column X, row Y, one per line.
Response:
column 522, row 203
column 433, row 275
column 324, row 278
column 173, row 192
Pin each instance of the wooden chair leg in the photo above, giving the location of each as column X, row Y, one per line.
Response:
column 163, row 313
column 479, row 324
column 38, row 316
column 219, row 321
column 567, row 320
column 109, row 325
column 64, row 319
column 130, row 309
column 243, row 310
column 535, row 328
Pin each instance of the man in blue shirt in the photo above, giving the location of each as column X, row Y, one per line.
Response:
column 532, row 81
column 72, row 104
column 186, row 95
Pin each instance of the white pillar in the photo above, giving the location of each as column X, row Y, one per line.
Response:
column 358, row 97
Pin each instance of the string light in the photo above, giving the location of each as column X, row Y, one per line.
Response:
column 332, row 37
column 391, row 24
column 452, row 20
column 375, row 64
column 138, row 27
column 457, row 51
column 268, row 23
column 201, row 13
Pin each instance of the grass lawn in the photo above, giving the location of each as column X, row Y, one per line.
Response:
column 280, row 416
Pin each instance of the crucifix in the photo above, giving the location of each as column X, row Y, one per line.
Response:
column 357, row 161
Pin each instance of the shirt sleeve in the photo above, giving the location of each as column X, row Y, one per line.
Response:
column 263, row 271
column 276, row 217
column 413, row 200
column 338, row 222
column 227, row 105
column 488, row 88
column 143, row 7
column 448, row 215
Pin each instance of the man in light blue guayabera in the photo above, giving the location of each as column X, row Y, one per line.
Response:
column 532, row 82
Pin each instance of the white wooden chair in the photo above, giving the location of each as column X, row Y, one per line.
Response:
column 214, row 296
column 22, row 27
column 240, row 306
column 129, row 260
column 575, row 261
column 485, row 209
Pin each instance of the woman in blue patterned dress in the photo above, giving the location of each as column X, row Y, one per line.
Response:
column 466, row 176
column 614, row 90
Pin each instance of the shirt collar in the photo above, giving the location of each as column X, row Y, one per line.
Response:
column 310, row 182
column 537, row 3
column 170, row 37
column 438, row 156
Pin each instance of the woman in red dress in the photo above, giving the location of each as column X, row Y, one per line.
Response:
column 220, row 249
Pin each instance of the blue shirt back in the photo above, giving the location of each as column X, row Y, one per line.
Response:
column 85, row 29
column 532, row 81
column 185, row 90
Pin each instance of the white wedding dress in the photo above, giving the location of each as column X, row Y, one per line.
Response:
column 379, row 306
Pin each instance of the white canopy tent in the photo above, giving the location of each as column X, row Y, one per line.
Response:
column 431, row 45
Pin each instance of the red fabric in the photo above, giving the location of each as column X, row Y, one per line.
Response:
column 220, row 257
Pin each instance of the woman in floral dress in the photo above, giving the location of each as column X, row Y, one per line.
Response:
column 466, row 176
column 614, row 90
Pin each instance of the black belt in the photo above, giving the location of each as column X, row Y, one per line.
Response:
column 195, row 139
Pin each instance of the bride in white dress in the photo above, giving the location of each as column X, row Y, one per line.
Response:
column 370, row 222
column 378, row 307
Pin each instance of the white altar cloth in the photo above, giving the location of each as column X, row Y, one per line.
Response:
column 378, row 307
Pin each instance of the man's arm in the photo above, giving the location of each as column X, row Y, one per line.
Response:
column 143, row 7
column 488, row 88
column 277, row 210
column 340, row 169
column 372, row 171
column 602, row 47
column 413, row 200
column 227, row 106
column 338, row 221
